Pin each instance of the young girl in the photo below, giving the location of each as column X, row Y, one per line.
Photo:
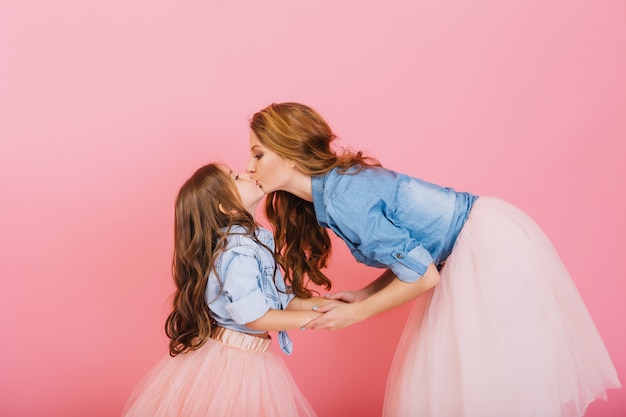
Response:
column 504, row 332
column 229, row 294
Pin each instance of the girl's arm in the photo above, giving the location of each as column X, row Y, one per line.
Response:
column 298, row 313
column 299, row 303
column 392, row 295
column 277, row 320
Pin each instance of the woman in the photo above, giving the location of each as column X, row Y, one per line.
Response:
column 504, row 333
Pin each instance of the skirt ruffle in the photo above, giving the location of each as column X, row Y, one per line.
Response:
column 504, row 333
column 221, row 380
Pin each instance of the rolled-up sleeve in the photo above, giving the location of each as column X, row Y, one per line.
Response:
column 245, row 301
column 376, row 239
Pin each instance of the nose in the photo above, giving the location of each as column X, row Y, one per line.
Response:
column 244, row 177
column 250, row 166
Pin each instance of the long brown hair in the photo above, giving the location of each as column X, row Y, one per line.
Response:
column 207, row 205
column 297, row 132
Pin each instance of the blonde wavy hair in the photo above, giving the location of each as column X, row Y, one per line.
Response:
column 297, row 132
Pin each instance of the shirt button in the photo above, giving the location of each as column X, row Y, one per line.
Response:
column 399, row 256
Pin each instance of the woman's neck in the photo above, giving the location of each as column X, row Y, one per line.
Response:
column 301, row 186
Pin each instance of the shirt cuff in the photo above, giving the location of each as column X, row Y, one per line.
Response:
column 412, row 265
column 404, row 273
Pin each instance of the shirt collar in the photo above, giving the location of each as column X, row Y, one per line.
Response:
column 264, row 235
column 317, row 190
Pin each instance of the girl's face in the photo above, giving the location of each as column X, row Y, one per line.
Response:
column 271, row 171
column 249, row 191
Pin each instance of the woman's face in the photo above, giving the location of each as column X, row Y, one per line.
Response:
column 271, row 171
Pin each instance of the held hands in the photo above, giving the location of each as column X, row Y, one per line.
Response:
column 383, row 294
column 337, row 315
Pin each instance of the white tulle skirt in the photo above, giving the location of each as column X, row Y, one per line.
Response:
column 238, row 376
column 504, row 334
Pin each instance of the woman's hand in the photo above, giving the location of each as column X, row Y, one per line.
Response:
column 347, row 296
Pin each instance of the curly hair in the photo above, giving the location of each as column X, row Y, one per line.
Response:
column 297, row 132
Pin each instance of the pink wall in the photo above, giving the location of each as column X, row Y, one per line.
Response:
column 106, row 107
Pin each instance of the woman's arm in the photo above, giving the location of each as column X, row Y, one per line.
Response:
column 372, row 288
column 379, row 283
column 277, row 320
column 392, row 295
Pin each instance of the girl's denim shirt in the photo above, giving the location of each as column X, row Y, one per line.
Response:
column 391, row 220
column 249, row 288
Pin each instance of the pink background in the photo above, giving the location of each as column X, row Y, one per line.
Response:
column 107, row 107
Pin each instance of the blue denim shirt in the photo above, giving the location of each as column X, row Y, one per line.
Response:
column 248, row 289
column 391, row 220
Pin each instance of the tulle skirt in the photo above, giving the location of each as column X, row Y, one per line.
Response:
column 238, row 376
column 504, row 334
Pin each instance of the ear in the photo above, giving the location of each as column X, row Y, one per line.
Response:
column 291, row 163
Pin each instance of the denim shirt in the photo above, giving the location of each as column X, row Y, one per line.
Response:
column 248, row 291
column 391, row 220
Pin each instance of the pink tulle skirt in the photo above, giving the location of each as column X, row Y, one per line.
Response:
column 504, row 334
column 237, row 376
